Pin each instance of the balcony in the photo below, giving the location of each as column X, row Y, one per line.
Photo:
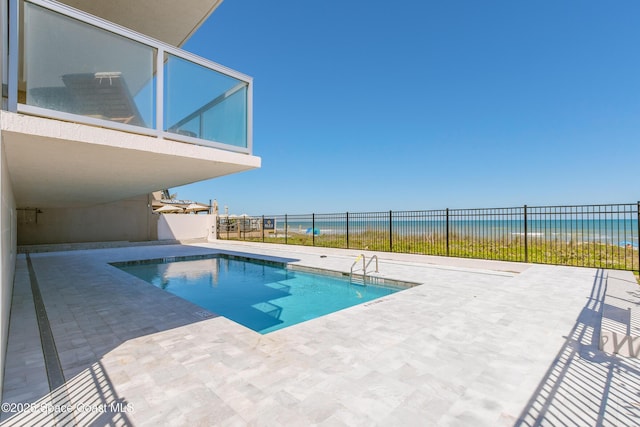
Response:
column 94, row 112
column 78, row 68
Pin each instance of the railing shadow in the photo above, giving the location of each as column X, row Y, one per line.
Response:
column 585, row 386
column 87, row 399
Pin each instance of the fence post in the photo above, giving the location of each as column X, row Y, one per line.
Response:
column 313, row 229
column 526, row 236
column 262, row 228
column 390, row 231
column 347, row 230
column 286, row 229
column 447, row 230
column 638, row 236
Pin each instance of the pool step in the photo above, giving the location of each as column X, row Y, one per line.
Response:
column 358, row 279
column 369, row 279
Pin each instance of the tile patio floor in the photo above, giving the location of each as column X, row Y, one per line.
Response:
column 478, row 344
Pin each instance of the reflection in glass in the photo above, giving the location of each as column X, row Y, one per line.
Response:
column 203, row 103
column 4, row 49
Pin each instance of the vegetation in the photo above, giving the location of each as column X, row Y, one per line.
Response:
column 570, row 253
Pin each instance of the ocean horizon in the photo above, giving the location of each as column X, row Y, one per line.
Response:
column 623, row 232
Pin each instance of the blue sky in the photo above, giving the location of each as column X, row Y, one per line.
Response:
column 376, row 105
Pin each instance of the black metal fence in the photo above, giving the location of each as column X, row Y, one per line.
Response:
column 601, row 236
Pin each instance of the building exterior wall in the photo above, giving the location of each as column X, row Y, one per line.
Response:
column 58, row 164
column 126, row 220
column 7, row 254
column 183, row 227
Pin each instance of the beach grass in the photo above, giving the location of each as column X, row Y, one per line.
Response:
column 541, row 251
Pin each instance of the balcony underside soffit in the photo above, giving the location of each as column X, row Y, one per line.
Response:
column 57, row 164
column 169, row 21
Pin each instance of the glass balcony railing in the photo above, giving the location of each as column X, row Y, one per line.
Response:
column 76, row 67
column 204, row 104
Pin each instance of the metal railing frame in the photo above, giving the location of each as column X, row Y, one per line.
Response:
column 602, row 228
column 161, row 48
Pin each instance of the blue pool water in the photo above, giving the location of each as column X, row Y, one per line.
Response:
column 260, row 296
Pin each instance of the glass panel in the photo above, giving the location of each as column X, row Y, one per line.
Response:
column 203, row 103
column 74, row 67
column 4, row 51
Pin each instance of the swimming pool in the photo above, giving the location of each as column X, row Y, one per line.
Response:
column 263, row 296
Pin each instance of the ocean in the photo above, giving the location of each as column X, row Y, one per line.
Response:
column 623, row 232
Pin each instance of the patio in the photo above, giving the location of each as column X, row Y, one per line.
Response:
column 479, row 343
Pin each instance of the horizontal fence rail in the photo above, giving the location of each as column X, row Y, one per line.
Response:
column 599, row 236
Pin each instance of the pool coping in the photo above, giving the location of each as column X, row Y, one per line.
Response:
column 371, row 279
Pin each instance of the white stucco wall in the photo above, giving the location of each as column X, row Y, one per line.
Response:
column 183, row 227
column 126, row 220
column 7, row 254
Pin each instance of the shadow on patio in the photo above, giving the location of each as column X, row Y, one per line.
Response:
column 585, row 386
column 87, row 399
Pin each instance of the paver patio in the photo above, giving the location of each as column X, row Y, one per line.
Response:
column 478, row 343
